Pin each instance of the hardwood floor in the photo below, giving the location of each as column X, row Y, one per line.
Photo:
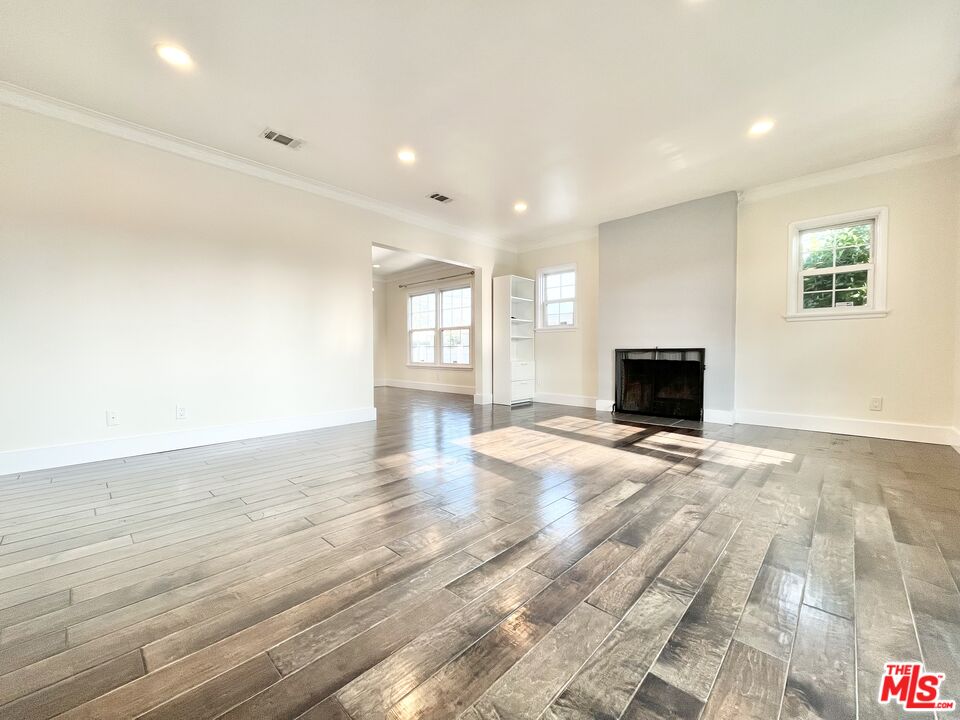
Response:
column 458, row 561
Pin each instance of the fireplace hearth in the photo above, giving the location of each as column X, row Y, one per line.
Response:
column 662, row 382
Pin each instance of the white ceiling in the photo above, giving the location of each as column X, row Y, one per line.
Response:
column 589, row 111
column 393, row 262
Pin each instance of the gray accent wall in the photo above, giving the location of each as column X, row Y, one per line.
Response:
column 668, row 279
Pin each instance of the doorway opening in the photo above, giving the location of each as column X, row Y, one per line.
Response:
column 424, row 323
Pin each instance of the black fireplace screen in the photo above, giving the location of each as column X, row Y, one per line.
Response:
column 663, row 382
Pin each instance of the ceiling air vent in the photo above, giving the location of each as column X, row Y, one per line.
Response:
column 440, row 198
column 273, row 135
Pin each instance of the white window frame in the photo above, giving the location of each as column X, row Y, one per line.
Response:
column 439, row 327
column 542, row 298
column 876, row 305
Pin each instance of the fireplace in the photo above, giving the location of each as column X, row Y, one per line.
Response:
column 663, row 382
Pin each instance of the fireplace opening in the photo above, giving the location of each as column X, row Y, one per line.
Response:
column 662, row 382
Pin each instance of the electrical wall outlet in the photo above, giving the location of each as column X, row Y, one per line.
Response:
column 876, row 404
column 181, row 412
column 112, row 418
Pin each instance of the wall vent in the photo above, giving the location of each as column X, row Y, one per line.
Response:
column 277, row 137
column 440, row 198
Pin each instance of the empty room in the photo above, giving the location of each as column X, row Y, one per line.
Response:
column 395, row 360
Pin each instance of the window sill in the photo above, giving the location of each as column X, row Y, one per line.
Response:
column 565, row 328
column 433, row 366
column 844, row 315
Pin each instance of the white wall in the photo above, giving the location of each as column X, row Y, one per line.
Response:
column 956, row 356
column 397, row 372
column 831, row 369
column 133, row 279
column 955, row 440
column 668, row 279
column 566, row 360
column 380, row 338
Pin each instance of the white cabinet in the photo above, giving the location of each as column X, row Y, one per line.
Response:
column 514, row 318
column 521, row 391
column 522, row 371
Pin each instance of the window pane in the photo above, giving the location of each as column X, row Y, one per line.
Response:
column 856, row 279
column 841, row 236
column 423, row 311
column 854, row 235
column 817, row 300
column 455, row 346
column 837, row 247
column 812, row 240
column 818, row 259
column 422, row 346
column 455, row 306
column 553, row 314
column 559, row 314
column 560, row 285
column 853, row 255
column 559, row 293
column 818, row 282
column 857, row 296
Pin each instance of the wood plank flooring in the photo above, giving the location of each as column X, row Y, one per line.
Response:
column 485, row 563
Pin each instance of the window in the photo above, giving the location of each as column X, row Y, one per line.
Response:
column 422, row 325
column 440, row 338
column 557, row 288
column 837, row 266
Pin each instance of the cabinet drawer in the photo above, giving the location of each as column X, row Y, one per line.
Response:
column 522, row 371
column 521, row 390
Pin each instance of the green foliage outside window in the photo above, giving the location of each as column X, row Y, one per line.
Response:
column 836, row 247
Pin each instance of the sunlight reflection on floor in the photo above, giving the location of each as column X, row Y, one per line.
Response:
column 513, row 444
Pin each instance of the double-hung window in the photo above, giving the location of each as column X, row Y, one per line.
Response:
column 557, row 292
column 439, row 326
column 838, row 266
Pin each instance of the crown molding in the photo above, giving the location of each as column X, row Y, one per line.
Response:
column 23, row 99
column 916, row 156
column 563, row 238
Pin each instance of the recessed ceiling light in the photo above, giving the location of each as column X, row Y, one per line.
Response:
column 520, row 206
column 178, row 57
column 376, row 266
column 406, row 156
column 762, row 126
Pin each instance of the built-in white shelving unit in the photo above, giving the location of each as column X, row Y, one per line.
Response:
column 514, row 315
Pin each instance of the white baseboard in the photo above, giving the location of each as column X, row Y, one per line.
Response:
column 558, row 399
column 937, row 434
column 42, row 458
column 430, row 387
column 603, row 406
column 723, row 417
column 955, row 439
column 379, row 382
column 483, row 399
